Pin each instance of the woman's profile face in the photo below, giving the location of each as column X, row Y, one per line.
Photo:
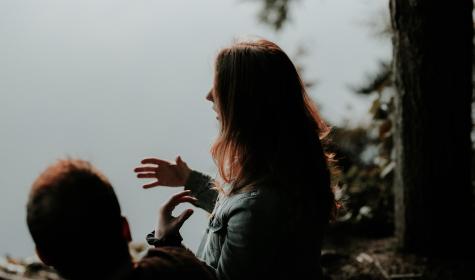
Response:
column 210, row 97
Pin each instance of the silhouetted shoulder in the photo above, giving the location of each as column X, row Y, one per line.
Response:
column 171, row 263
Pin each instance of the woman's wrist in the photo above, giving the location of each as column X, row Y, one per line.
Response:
column 158, row 239
column 186, row 175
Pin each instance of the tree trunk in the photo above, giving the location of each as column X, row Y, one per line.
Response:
column 433, row 74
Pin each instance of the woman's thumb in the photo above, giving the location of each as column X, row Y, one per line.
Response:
column 180, row 162
column 184, row 216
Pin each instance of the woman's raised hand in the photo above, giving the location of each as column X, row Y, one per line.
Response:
column 166, row 173
column 169, row 225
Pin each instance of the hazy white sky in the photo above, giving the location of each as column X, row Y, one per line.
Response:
column 113, row 81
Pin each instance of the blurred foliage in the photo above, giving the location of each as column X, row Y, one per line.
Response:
column 366, row 159
column 275, row 13
column 300, row 55
column 367, row 182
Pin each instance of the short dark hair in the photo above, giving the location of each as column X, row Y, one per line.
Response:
column 171, row 263
column 74, row 217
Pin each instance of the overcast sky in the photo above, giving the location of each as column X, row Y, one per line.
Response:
column 113, row 81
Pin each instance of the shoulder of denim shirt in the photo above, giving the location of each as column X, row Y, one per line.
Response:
column 245, row 198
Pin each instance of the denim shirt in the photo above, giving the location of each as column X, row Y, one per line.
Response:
column 247, row 236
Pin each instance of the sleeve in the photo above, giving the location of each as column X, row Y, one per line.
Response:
column 202, row 187
column 171, row 263
column 175, row 242
column 241, row 255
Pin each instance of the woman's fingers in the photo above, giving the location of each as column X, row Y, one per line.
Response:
column 168, row 208
column 183, row 217
column 154, row 161
column 147, row 175
column 151, row 185
column 189, row 199
column 181, row 200
column 178, row 195
column 146, row 169
column 173, row 201
column 177, row 199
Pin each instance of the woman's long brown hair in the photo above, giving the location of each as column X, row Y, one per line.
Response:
column 271, row 133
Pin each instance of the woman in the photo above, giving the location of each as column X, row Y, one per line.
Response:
column 275, row 200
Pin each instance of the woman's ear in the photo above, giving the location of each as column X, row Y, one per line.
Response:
column 126, row 229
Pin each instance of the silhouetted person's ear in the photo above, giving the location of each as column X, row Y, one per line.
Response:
column 44, row 257
column 126, row 229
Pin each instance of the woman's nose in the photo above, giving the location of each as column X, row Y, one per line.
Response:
column 209, row 97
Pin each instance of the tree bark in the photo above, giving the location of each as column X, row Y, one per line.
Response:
column 433, row 75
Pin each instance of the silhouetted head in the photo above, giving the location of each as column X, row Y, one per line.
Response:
column 75, row 220
column 270, row 130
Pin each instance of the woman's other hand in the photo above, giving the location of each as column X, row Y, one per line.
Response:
column 169, row 225
column 167, row 173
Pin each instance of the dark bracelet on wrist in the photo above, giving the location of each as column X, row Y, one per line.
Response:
column 170, row 240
